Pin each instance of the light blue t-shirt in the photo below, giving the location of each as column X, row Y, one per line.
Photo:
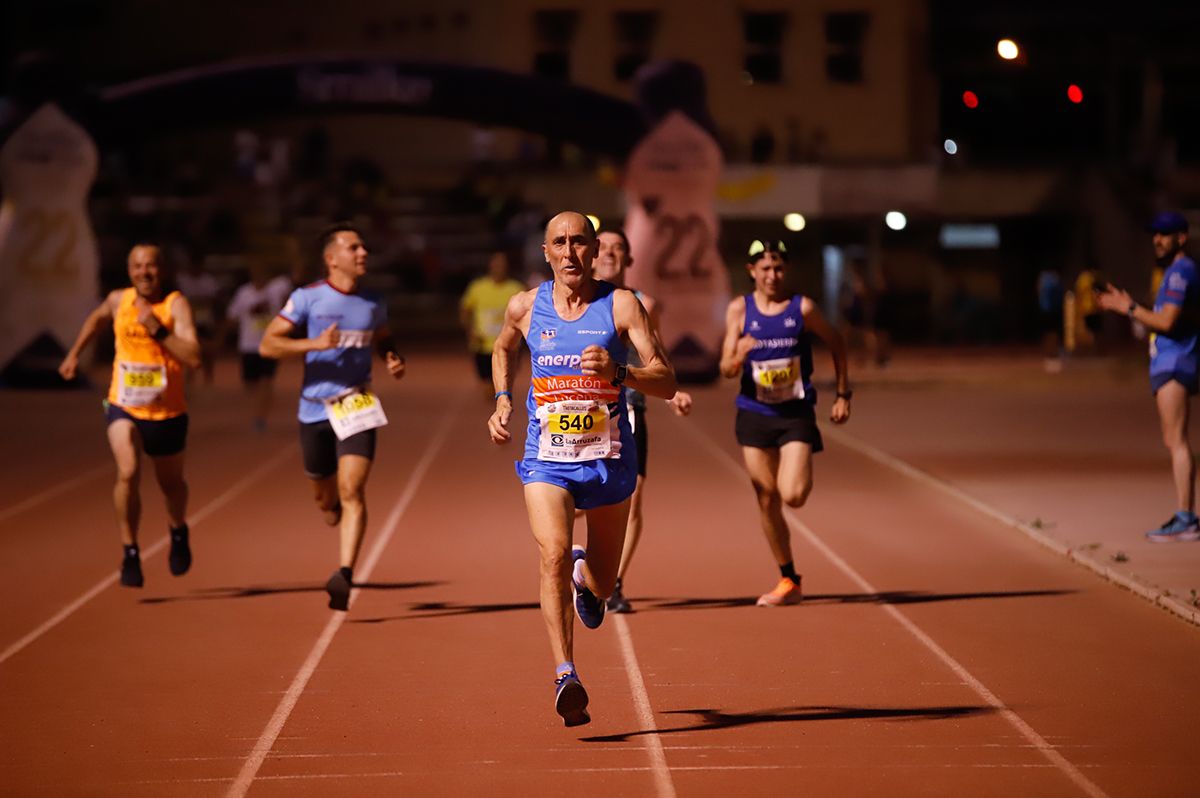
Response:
column 1175, row 351
column 330, row 372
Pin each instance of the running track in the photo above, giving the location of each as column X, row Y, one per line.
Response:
column 938, row 652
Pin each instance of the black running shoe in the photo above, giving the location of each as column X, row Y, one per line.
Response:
column 338, row 588
column 131, row 571
column 617, row 601
column 571, row 700
column 180, row 558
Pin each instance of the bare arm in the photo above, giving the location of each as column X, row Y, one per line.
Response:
column 506, row 348
column 1119, row 301
column 103, row 314
column 815, row 321
column 385, row 347
column 736, row 346
column 277, row 343
column 654, row 377
column 181, row 342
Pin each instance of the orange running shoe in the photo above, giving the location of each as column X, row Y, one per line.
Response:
column 786, row 592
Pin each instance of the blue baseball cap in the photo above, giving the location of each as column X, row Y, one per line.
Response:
column 1168, row 222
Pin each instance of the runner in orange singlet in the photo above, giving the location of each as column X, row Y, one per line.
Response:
column 146, row 410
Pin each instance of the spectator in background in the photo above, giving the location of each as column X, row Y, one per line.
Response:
column 203, row 291
column 1089, row 317
column 1174, row 323
column 253, row 306
column 1050, row 317
column 482, row 314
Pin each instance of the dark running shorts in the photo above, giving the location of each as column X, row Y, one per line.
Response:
column 771, row 432
column 1185, row 378
column 255, row 367
column 321, row 448
column 483, row 366
column 159, row 438
column 637, row 420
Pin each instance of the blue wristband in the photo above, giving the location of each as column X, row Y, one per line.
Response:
column 503, row 393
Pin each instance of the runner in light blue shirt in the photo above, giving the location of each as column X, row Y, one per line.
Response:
column 338, row 413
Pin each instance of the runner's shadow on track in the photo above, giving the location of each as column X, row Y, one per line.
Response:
column 711, row 719
column 888, row 597
column 253, row 591
column 442, row 609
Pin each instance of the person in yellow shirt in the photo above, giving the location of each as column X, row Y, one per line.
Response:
column 482, row 314
column 1089, row 314
column 146, row 409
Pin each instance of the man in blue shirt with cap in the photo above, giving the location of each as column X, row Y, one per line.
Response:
column 1174, row 325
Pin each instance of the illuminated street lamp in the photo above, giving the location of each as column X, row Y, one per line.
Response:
column 794, row 222
column 1007, row 49
column 895, row 220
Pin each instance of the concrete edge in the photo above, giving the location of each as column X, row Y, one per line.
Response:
column 1155, row 595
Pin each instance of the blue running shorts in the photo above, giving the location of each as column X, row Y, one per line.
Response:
column 594, row 483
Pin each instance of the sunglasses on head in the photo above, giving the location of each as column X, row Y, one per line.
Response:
column 759, row 247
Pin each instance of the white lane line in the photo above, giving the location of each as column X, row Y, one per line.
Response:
column 1036, row 740
column 193, row 520
column 663, row 783
column 51, row 492
column 266, row 740
column 1153, row 594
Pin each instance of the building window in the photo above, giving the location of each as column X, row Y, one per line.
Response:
column 845, row 33
column 763, row 35
column 554, row 33
column 635, row 33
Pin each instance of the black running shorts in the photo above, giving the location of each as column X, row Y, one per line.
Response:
column 770, row 432
column 159, row 438
column 321, row 448
column 641, row 437
column 255, row 367
column 483, row 366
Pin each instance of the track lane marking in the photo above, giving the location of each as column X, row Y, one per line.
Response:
column 110, row 580
column 266, row 740
column 663, row 783
column 1028, row 732
column 55, row 490
column 1158, row 596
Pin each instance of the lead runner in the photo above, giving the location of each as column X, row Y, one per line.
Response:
column 579, row 449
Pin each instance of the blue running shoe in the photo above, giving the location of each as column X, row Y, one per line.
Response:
column 589, row 608
column 571, row 700
column 1178, row 529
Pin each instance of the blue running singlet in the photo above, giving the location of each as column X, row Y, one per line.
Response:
column 1173, row 354
column 776, row 377
column 578, row 436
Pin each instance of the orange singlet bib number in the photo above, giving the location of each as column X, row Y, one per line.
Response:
column 139, row 384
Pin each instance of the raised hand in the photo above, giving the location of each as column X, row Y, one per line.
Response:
column 328, row 339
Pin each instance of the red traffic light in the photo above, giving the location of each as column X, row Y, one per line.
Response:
column 970, row 99
column 1074, row 94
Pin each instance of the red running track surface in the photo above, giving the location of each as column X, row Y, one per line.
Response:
column 937, row 652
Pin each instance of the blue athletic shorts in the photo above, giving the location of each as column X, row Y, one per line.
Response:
column 594, row 483
column 1187, row 379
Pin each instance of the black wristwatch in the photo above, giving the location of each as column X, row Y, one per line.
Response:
column 622, row 373
column 161, row 333
column 1133, row 306
column 847, row 394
